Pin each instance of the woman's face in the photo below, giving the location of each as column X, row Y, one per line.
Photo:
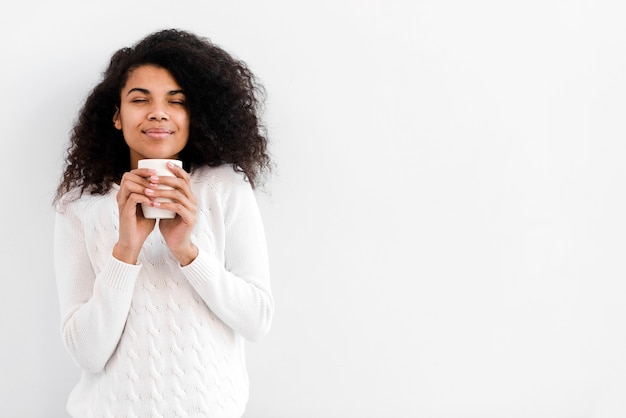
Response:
column 153, row 116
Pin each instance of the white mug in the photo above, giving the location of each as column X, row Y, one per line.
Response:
column 160, row 166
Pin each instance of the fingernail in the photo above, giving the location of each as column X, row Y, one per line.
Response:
column 156, row 204
column 149, row 191
column 154, row 178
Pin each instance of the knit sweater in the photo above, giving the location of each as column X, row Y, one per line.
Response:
column 156, row 339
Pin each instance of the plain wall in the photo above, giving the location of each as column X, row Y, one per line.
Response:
column 445, row 223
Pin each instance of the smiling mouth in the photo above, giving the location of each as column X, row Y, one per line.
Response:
column 158, row 133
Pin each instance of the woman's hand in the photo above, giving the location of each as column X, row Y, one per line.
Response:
column 134, row 228
column 176, row 231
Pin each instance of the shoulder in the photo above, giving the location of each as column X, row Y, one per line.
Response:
column 223, row 178
column 226, row 187
column 77, row 202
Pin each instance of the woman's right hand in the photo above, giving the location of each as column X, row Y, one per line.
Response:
column 134, row 228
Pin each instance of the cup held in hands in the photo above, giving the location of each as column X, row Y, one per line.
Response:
column 160, row 166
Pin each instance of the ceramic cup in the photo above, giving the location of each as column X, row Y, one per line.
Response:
column 160, row 166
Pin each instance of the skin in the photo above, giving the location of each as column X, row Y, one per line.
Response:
column 155, row 123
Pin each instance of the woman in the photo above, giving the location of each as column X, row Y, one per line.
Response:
column 155, row 312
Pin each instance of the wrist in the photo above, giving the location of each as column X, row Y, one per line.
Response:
column 125, row 254
column 187, row 255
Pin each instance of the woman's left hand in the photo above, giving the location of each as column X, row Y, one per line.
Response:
column 177, row 231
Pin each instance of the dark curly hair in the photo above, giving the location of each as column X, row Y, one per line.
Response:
column 224, row 101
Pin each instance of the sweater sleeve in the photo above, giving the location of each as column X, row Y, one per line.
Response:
column 237, row 290
column 94, row 307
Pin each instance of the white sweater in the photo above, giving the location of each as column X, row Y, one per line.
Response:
column 156, row 339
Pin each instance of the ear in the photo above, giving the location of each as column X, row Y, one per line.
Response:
column 116, row 119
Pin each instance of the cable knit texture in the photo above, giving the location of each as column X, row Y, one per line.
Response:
column 156, row 339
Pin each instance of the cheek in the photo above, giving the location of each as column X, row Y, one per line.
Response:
column 183, row 123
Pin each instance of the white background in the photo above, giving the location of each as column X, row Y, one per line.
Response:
column 446, row 221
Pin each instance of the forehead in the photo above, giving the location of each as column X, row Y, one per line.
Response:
column 152, row 78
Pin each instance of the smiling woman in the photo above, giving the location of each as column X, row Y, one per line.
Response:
column 156, row 311
column 152, row 115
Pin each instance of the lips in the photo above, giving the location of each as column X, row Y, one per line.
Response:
column 158, row 133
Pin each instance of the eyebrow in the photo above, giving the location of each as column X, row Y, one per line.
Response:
column 146, row 91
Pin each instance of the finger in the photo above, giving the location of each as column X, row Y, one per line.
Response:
column 174, row 195
column 171, row 181
column 133, row 194
column 130, row 208
column 174, row 183
column 178, row 171
column 143, row 172
column 187, row 213
column 129, row 179
column 134, row 182
column 139, row 176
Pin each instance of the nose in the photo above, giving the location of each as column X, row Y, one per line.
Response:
column 158, row 113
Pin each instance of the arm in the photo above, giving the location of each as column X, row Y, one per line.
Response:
column 238, row 290
column 93, row 307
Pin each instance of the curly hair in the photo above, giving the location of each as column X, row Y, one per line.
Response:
column 223, row 97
